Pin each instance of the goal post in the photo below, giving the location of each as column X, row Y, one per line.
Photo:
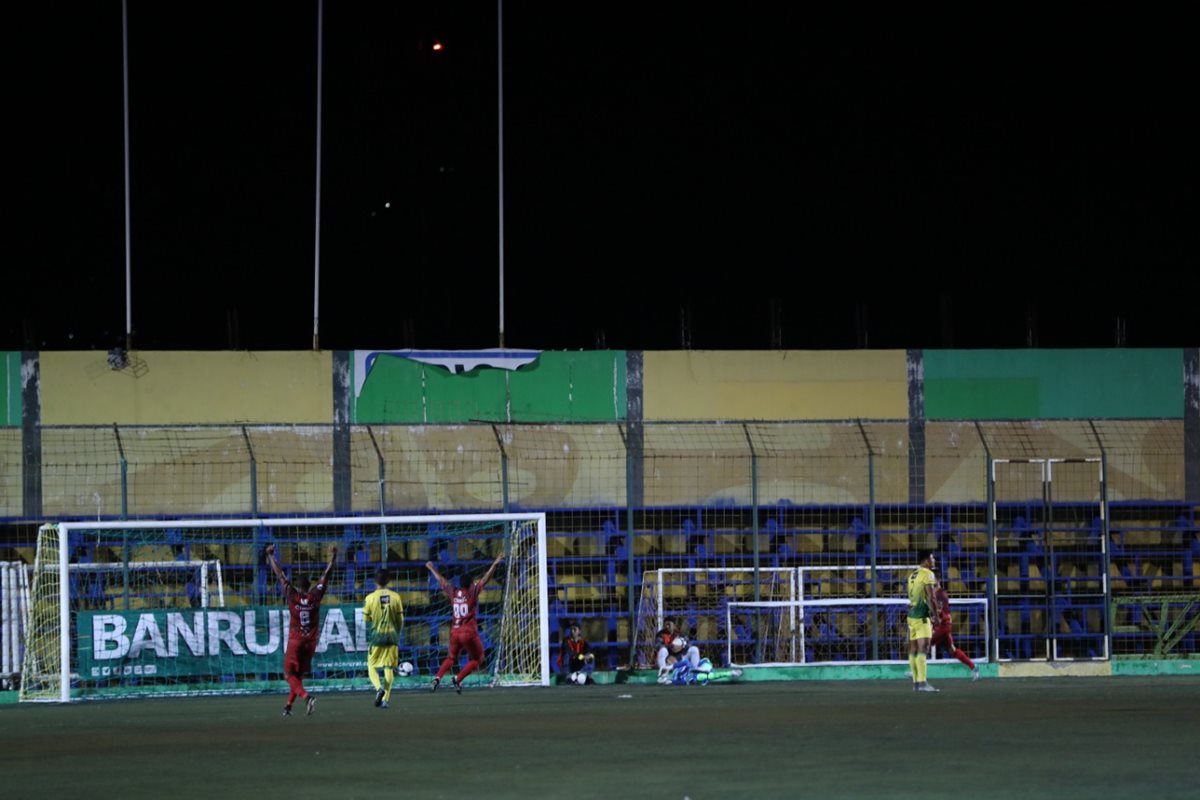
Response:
column 185, row 607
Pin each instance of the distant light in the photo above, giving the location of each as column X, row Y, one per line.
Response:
column 387, row 205
column 437, row 46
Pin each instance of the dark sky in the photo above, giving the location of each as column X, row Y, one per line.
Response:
column 676, row 175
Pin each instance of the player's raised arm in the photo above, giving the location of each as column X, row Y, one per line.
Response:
column 437, row 576
column 487, row 576
column 329, row 567
column 278, row 570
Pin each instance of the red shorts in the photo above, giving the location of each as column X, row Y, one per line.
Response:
column 942, row 637
column 465, row 639
column 298, row 659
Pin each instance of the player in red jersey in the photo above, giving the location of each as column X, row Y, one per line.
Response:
column 942, row 635
column 304, row 604
column 464, row 634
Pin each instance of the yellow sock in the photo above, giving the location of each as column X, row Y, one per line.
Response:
column 912, row 666
column 374, row 676
column 919, row 667
column 387, row 684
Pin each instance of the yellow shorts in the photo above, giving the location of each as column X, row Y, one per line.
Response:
column 919, row 629
column 386, row 656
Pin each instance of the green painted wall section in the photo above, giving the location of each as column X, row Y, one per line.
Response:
column 1054, row 384
column 557, row 387
column 10, row 388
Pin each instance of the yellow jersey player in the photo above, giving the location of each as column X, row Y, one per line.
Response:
column 922, row 609
column 384, row 614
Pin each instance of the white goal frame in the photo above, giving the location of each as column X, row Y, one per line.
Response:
column 798, row 611
column 64, row 565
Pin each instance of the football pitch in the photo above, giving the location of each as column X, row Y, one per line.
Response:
column 1023, row 738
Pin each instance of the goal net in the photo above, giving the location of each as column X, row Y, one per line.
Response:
column 696, row 599
column 840, row 631
column 127, row 609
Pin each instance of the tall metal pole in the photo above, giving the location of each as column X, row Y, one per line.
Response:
column 128, row 255
column 500, row 148
column 317, row 224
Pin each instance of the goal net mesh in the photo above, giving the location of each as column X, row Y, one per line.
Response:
column 193, row 608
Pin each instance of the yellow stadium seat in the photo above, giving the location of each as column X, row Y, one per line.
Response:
column 1141, row 536
column 727, row 544
column 645, row 544
column 1154, row 572
column 972, row 541
column 1012, row 571
column 589, row 545
column 674, row 544
column 923, row 541
column 842, row 542
column 414, row 599
column 764, row 544
column 674, row 588
column 559, row 546
column 623, row 628
column 847, row 626
column 706, row 628
column 952, row 581
column 152, row 552
column 808, row 542
column 239, row 554
column 1036, row 582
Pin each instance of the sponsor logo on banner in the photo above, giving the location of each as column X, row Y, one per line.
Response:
column 212, row 641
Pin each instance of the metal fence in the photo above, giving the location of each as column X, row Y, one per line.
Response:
column 1076, row 533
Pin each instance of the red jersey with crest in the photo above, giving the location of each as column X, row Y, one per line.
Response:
column 463, row 603
column 943, row 601
column 305, row 608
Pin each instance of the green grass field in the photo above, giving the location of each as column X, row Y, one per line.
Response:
column 1013, row 738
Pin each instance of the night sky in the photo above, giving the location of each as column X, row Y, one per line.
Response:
column 677, row 175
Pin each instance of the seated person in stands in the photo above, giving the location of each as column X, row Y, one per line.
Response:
column 673, row 646
column 575, row 659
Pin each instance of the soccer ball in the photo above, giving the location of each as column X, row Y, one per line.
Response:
column 405, row 669
column 579, row 678
column 679, row 644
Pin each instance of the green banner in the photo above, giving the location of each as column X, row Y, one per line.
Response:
column 10, row 389
column 210, row 641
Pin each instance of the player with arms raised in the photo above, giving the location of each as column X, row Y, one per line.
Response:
column 464, row 633
column 304, row 631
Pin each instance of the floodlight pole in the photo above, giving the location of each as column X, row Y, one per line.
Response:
column 316, row 340
column 128, row 256
column 500, row 146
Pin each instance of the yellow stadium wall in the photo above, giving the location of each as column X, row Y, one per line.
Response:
column 775, row 385
column 171, row 388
